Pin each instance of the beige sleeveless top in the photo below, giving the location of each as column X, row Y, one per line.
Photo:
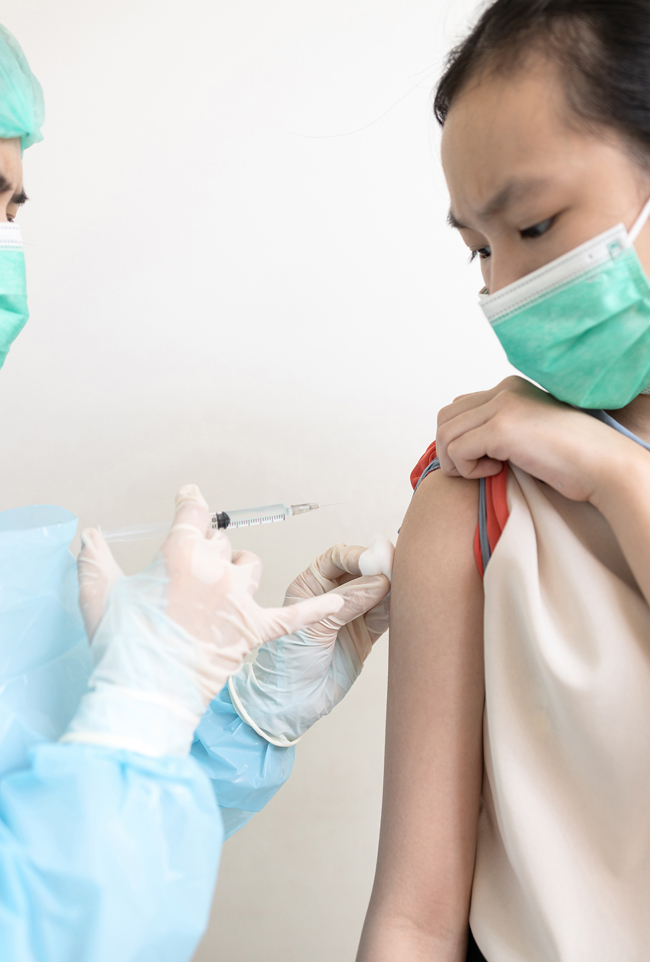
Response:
column 563, row 857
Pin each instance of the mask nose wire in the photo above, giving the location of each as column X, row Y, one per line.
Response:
column 639, row 224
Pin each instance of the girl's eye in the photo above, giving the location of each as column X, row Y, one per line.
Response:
column 482, row 252
column 538, row 230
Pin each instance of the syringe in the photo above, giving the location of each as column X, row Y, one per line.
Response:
column 240, row 518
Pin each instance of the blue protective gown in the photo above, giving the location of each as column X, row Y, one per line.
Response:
column 105, row 856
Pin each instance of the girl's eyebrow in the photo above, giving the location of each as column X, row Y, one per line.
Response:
column 513, row 190
column 20, row 197
column 453, row 221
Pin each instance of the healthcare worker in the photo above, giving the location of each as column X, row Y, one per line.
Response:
column 110, row 831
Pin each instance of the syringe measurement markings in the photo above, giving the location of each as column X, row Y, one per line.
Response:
column 249, row 522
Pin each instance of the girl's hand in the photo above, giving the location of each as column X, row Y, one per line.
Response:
column 517, row 422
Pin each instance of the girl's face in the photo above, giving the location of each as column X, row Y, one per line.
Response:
column 527, row 181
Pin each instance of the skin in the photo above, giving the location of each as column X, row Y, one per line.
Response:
column 11, row 175
column 528, row 182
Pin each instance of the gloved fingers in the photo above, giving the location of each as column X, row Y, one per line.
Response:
column 307, row 585
column 204, row 559
column 192, row 517
column 248, row 570
column 302, row 614
column 188, row 551
column 97, row 571
column 355, row 640
column 336, row 561
column 325, row 572
column 345, row 580
column 377, row 619
column 359, row 596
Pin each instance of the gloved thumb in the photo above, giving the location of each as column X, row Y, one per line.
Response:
column 98, row 571
column 191, row 519
column 359, row 596
column 302, row 614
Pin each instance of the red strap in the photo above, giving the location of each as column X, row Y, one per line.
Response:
column 497, row 502
column 424, row 462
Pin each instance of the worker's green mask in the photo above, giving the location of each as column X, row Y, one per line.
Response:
column 13, row 287
column 580, row 326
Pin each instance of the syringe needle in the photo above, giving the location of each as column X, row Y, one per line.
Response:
column 334, row 504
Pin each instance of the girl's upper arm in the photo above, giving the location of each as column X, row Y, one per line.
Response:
column 434, row 763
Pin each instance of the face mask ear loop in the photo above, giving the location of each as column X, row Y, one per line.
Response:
column 639, row 224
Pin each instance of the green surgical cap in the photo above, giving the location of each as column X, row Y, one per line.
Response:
column 21, row 98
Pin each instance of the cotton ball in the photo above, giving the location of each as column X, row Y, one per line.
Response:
column 377, row 559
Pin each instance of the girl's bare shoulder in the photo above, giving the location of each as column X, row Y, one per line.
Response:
column 443, row 513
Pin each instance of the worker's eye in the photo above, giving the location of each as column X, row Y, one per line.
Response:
column 482, row 252
column 538, row 230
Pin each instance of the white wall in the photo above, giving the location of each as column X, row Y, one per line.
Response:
column 240, row 275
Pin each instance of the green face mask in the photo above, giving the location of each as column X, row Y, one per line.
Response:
column 580, row 326
column 13, row 287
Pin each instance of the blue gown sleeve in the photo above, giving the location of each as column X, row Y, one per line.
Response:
column 105, row 856
column 246, row 771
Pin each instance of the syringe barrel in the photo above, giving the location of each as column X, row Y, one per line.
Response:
column 247, row 517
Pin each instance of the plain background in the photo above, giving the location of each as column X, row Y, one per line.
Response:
column 240, row 275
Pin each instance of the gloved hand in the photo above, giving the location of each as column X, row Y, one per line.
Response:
column 298, row 678
column 165, row 640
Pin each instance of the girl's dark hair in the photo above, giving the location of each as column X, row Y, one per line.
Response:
column 602, row 48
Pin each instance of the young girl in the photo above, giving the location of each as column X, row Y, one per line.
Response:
column 517, row 787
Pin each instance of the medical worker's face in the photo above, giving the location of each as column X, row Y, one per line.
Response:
column 12, row 194
column 528, row 182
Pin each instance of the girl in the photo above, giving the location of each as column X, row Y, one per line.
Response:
column 518, row 736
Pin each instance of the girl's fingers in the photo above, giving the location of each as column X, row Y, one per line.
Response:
column 482, row 468
column 469, row 420
column 513, row 385
column 464, row 403
column 471, row 453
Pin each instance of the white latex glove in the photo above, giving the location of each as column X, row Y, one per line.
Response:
column 166, row 640
column 298, row 678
